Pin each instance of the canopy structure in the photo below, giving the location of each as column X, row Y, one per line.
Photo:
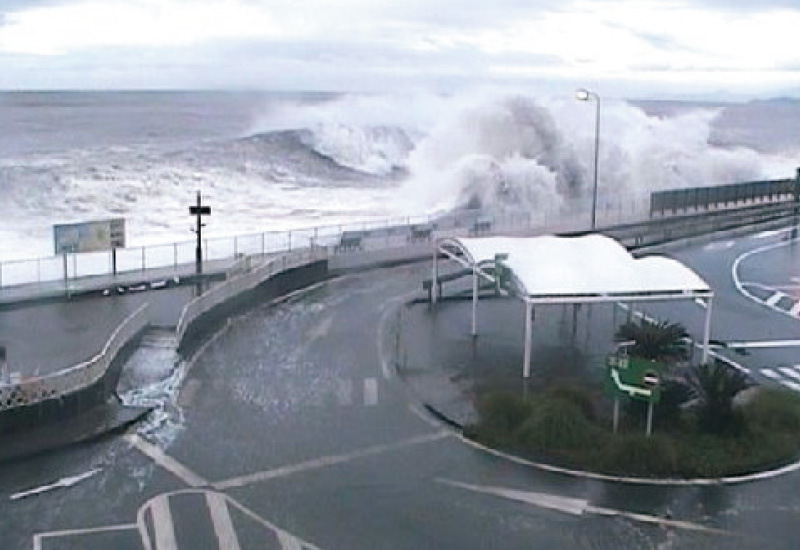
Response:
column 570, row 270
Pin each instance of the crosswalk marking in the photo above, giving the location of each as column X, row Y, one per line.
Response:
column 222, row 522
column 786, row 376
column 791, row 385
column 163, row 526
column 775, row 298
column 790, row 372
column 769, row 373
column 370, row 392
column 288, row 541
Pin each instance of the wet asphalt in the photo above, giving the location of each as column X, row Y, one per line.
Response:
column 295, row 414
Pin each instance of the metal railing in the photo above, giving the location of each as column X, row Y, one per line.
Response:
column 178, row 258
column 240, row 283
column 58, row 384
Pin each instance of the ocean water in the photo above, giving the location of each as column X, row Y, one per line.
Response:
column 267, row 161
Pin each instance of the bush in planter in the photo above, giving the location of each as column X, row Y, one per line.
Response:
column 714, row 386
column 500, row 415
column 657, row 341
column 773, row 409
column 637, row 454
column 555, row 424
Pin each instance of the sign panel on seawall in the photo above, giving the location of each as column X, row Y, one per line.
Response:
column 92, row 236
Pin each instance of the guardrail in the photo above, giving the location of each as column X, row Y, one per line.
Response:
column 35, row 390
column 704, row 198
column 178, row 258
column 240, row 283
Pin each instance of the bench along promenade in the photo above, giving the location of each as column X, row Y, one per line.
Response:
column 67, row 334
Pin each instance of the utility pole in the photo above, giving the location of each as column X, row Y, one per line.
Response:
column 199, row 211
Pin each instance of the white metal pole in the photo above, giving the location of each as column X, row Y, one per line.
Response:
column 474, row 301
column 649, row 418
column 707, row 330
column 435, row 279
column 526, row 363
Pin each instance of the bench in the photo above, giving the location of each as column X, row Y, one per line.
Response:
column 420, row 232
column 481, row 225
column 350, row 240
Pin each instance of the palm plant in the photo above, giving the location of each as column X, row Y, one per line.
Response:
column 660, row 341
column 714, row 386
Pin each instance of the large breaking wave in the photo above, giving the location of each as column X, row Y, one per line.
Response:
column 360, row 157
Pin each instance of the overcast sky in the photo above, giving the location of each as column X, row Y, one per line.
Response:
column 625, row 47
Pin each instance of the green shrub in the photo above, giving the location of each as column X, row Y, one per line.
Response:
column 581, row 397
column 554, row 424
column 500, row 414
column 773, row 409
column 637, row 454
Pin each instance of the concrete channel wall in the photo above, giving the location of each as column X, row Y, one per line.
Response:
column 73, row 389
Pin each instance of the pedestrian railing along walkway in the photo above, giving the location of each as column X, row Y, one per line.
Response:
column 16, row 392
column 178, row 258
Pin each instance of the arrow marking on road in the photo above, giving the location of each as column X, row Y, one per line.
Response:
column 578, row 507
column 61, row 483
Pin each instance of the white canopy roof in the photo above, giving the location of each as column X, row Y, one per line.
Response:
column 574, row 266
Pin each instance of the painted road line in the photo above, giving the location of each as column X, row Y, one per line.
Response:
column 769, row 373
column 288, row 541
column 370, row 392
column 764, row 344
column 790, row 372
column 61, row 483
column 774, row 299
column 326, row 461
column 578, row 507
column 39, row 537
column 167, row 462
column 795, row 311
column 222, row 522
column 791, row 385
column 163, row 525
column 344, row 392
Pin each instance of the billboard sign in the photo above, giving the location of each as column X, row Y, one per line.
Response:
column 91, row 236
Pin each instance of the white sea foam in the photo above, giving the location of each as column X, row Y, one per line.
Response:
column 398, row 155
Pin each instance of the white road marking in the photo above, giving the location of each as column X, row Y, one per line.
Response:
column 163, row 525
column 222, row 522
column 774, row 299
column 344, row 392
column 167, row 462
column 61, row 483
column 791, row 385
column 370, row 392
column 791, row 373
column 288, row 541
column 579, row 507
column 769, row 373
column 39, row 537
column 765, row 344
column 326, row 461
column 795, row 311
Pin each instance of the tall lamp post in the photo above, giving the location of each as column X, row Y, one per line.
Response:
column 585, row 95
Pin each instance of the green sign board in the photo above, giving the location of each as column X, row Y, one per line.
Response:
column 635, row 378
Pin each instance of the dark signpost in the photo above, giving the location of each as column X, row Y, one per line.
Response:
column 199, row 210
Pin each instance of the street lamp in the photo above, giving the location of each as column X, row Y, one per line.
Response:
column 585, row 95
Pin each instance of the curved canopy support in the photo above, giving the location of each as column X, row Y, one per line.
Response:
column 570, row 270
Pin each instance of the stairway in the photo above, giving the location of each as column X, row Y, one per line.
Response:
column 159, row 338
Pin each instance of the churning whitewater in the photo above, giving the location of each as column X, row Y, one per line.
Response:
column 276, row 162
